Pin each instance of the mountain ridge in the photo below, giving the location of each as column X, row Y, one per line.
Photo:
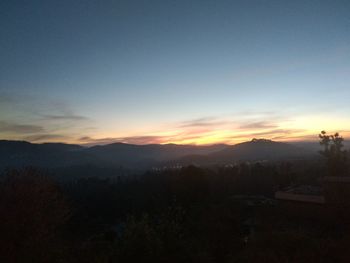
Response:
column 22, row 153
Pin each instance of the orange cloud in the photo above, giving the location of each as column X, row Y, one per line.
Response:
column 71, row 128
column 212, row 130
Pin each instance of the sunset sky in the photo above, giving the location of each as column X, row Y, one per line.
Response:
column 187, row 72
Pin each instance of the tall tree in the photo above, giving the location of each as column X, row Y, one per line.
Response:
column 334, row 153
column 32, row 210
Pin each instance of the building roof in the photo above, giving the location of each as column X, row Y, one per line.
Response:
column 302, row 193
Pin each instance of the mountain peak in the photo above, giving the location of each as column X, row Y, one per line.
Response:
column 255, row 140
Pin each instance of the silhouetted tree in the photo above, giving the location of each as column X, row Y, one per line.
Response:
column 334, row 153
column 32, row 209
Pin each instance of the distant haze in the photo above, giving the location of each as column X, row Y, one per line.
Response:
column 139, row 157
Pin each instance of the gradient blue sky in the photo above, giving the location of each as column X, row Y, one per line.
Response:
column 173, row 71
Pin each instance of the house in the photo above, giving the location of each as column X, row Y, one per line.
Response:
column 326, row 202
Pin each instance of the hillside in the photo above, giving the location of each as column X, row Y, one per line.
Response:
column 50, row 155
column 53, row 155
column 254, row 150
column 260, row 150
column 21, row 153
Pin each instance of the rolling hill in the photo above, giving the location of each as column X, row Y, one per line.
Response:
column 52, row 155
column 254, row 150
column 21, row 153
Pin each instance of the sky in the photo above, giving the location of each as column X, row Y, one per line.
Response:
column 185, row 71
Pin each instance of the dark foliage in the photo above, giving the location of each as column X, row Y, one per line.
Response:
column 33, row 210
column 334, row 153
column 192, row 214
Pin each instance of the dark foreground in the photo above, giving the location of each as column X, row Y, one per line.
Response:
column 185, row 215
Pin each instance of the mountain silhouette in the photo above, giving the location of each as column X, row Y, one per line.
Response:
column 21, row 153
column 254, row 150
column 260, row 149
column 48, row 155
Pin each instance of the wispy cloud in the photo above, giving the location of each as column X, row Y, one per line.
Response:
column 206, row 130
column 45, row 137
column 62, row 112
column 59, row 122
column 65, row 117
column 258, row 125
column 35, row 120
column 143, row 139
column 276, row 132
column 203, row 122
column 131, row 139
column 11, row 127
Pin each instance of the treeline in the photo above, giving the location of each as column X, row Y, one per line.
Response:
column 221, row 214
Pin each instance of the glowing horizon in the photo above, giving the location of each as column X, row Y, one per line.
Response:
column 194, row 72
column 201, row 131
